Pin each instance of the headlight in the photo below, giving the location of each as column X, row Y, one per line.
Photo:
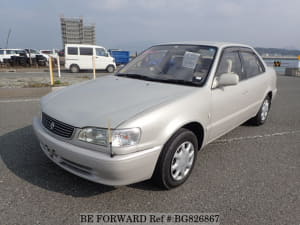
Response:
column 119, row 138
column 126, row 137
column 93, row 135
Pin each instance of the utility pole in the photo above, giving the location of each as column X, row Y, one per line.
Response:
column 7, row 39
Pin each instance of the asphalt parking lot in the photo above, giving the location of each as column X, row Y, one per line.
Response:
column 250, row 176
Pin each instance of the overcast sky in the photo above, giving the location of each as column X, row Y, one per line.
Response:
column 136, row 24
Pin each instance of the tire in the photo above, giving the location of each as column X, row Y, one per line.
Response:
column 110, row 69
column 180, row 150
column 42, row 63
column 74, row 68
column 262, row 115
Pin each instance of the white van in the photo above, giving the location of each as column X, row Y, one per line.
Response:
column 78, row 56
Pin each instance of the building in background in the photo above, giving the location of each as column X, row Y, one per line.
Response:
column 89, row 34
column 74, row 31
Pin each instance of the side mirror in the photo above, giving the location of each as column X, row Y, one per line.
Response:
column 226, row 79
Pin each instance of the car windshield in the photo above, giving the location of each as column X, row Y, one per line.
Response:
column 11, row 52
column 180, row 64
column 34, row 51
column 20, row 51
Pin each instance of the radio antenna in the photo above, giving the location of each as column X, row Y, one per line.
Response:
column 7, row 39
column 110, row 138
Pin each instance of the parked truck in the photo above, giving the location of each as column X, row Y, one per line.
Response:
column 121, row 57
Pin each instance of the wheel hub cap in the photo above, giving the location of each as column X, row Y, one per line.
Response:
column 182, row 161
column 264, row 110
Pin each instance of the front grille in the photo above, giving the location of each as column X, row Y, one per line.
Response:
column 57, row 127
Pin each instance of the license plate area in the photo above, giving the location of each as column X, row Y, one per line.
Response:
column 51, row 152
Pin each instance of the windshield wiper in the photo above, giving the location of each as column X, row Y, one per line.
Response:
column 137, row 76
column 178, row 81
column 143, row 77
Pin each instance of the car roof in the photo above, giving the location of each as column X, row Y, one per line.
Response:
column 207, row 43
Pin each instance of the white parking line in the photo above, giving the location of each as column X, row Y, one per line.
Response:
column 19, row 100
column 37, row 72
column 255, row 137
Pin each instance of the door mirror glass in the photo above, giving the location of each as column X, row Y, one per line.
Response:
column 226, row 79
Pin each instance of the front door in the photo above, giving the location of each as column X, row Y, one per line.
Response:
column 101, row 58
column 228, row 102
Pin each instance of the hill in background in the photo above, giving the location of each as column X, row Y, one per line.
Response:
column 277, row 52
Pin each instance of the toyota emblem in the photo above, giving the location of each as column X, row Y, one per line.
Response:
column 52, row 125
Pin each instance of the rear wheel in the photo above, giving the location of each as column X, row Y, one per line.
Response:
column 263, row 113
column 177, row 159
column 110, row 69
column 74, row 68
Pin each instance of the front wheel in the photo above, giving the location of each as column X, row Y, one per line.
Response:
column 177, row 159
column 110, row 69
column 263, row 113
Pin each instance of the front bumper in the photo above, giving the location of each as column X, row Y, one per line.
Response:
column 97, row 166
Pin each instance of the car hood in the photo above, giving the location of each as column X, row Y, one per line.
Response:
column 110, row 98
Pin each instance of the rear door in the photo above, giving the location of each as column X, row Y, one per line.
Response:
column 229, row 103
column 71, row 56
column 257, row 79
column 86, row 57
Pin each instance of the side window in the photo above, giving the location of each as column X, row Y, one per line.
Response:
column 251, row 64
column 72, row 51
column 100, row 52
column 1, row 52
column 86, row 51
column 230, row 63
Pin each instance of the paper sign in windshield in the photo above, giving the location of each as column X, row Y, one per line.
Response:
column 190, row 60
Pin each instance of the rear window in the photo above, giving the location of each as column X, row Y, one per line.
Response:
column 86, row 51
column 251, row 63
column 72, row 51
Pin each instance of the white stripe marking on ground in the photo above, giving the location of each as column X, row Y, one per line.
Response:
column 37, row 72
column 19, row 100
column 255, row 137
